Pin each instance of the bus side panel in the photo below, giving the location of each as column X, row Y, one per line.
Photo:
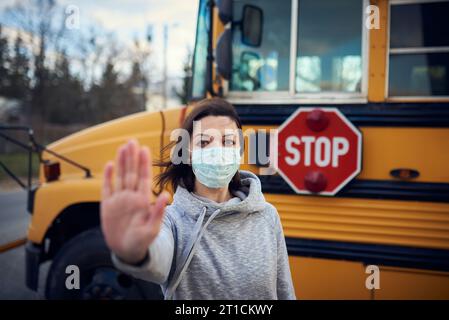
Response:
column 398, row 283
column 328, row 279
column 315, row 278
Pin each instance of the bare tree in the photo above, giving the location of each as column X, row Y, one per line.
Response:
column 43, row 22
column 87, row 75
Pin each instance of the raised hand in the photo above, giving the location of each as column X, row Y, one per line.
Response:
column 129, row 221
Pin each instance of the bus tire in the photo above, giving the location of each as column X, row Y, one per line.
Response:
column 82, row 270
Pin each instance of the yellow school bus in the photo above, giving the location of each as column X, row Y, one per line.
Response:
column 383, row 64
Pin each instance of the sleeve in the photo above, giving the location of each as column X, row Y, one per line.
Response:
column 284, row 285
column 157, row 267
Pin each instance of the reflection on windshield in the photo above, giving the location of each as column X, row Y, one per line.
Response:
column 265, row 68
column 346, row 74
column 329, row 58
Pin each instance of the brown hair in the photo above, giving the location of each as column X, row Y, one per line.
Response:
column 181, row 174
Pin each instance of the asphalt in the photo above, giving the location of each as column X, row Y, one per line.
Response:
column 14, row 221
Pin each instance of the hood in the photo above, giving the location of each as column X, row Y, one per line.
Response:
column 250, row 193
column 251, row 200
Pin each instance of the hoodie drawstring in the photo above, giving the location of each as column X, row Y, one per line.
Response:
column 189, row 251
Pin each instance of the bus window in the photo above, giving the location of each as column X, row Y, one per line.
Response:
column 329, row 48
column 419, row 49
column 266, row 67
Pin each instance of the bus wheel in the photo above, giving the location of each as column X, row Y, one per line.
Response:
column 85, row 260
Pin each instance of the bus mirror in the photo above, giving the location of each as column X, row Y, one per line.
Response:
column 225, row 10
column 252, row 24
column 223, row 54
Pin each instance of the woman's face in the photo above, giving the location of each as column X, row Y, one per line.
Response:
column 215, row 131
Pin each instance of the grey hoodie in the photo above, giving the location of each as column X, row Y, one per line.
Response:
column 209, row 250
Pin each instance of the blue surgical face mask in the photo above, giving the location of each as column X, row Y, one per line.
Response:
column 215, row 166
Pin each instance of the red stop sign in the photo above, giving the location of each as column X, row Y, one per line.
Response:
column 319, row 150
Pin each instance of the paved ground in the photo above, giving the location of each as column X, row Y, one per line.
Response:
column 13, row 215
column 13, row 225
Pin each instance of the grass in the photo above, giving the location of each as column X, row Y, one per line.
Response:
column 18, row 164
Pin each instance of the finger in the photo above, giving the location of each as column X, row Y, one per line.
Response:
column 158, row 209
column 108, row 188
column 131, row 164
column 144, row 181
column 120, row 168
column 150, row 229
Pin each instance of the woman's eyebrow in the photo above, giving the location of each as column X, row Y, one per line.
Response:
column 202, row 134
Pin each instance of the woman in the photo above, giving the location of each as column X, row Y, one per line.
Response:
column 219, row 239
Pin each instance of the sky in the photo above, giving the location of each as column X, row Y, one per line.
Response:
column 129, row 19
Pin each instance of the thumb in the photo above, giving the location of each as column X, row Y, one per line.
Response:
column 156, row 211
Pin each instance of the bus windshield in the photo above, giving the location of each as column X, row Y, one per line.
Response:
column 326, row 59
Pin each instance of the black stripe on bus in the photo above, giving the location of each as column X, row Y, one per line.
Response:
column 368, row 114
column 376, row 254
column 372, row 189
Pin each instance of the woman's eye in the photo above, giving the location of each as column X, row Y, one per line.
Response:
column 203, row 143
column 229, row 142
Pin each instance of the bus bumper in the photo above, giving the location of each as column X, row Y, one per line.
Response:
column 33, row 254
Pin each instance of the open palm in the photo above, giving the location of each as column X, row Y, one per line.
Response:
column 129, row 221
